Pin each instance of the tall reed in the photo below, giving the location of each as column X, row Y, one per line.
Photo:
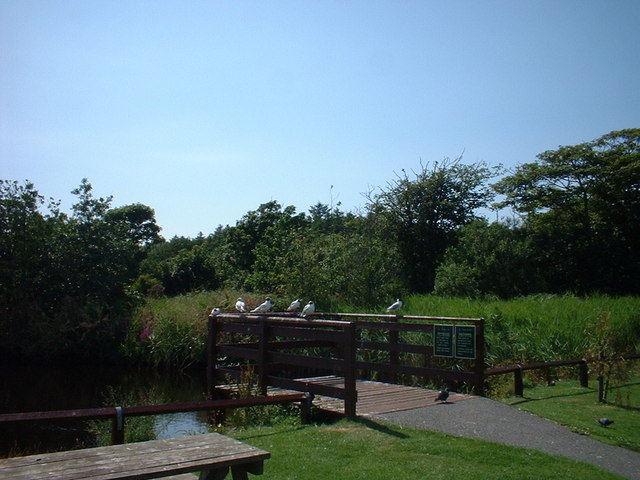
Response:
column 172, row 331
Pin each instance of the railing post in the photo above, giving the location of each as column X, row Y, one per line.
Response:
column 262, row 356
column 349, row 353
column 212, row 356
column 479, row 366
column 518, row 387
column 305, row 408
column 584, row 373
column 117, row 427
column 394, row 358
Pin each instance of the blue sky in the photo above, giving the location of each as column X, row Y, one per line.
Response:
column 205, row 110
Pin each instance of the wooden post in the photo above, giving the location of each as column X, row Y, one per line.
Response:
column 305, row 408
column 262, row 356
column 212, row 357
column 117, row 427
column 349, row 354
column 394, row 360
column 518, row 387
column 584, row 374
column 479, row 366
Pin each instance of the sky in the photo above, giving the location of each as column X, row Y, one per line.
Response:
column 204, row 110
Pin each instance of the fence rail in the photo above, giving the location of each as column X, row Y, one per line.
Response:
column 518, row 370
column 119, row 414
column 271, row 343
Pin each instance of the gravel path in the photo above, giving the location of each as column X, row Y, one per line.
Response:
column 486, row 419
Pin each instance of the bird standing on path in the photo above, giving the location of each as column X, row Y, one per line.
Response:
column 263, row 307
column 395, row 306
column 294, row 306
column 442, row 396
column 241, row 306
column 309, row 308
column 605, row 422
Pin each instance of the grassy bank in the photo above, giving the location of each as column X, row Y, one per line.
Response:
column 372, row 450
column 172, row 331
column 577, row 408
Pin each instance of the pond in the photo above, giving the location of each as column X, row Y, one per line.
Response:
column 37, row 388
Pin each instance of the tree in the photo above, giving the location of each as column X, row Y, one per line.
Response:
column 63, row 289
column 489, row 259
column 238, row 246
column 582, row 205
column 424, row 213
column 139, row 221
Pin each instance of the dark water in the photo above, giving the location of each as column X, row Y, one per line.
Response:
column 35, row 389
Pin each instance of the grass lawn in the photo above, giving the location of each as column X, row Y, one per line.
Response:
column 577, row 408
column 371, row 450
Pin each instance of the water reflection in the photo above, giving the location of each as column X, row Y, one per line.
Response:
column 32, row 389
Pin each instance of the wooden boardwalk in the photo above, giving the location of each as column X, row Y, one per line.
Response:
column 374, row 398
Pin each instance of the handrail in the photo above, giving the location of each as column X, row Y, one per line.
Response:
column 118, row 413
column 517, row 370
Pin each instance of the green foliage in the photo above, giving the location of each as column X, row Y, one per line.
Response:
column 423, row 214
column 582, row 205
column 171, row 331
column 335, row 268
column 64, row 279
column 489, row 259
column 67, row 282
column 140, row 222
column 607, row 348
column 539, row 328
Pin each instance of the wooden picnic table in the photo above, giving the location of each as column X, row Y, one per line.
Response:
column 212, row 454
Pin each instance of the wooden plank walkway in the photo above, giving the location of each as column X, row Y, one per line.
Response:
column 374, row 398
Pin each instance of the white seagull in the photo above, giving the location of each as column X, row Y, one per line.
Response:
column 295, row 305
column 395, row 306
column 263, row 307
column 216, row 311
column 241, row 306
column 309, row 308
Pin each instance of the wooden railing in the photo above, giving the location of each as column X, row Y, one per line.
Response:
column 119, row 414
column 271, row 345
column 271, row 356
column 471, row 372
column 518, row 370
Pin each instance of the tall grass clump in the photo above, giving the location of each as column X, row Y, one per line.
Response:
column 540, row 327
column 171, row 331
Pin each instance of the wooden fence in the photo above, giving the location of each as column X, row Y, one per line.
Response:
column 518, row 370
column 332, row 343
column 119, row 414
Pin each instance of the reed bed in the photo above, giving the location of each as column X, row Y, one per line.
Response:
column 172, row 331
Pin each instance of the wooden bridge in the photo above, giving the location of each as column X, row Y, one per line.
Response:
column 353, row 364
column 374, row 398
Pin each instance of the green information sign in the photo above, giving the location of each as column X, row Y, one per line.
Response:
column 443, row 340
column 465, row 341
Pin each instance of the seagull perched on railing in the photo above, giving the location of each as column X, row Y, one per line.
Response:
column 395, row 306
column 309, row 308
column 216, row 311
column 295, row 305
column 240, row 305
column 263, row 307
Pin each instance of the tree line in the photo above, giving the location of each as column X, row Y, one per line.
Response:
column 68, row 282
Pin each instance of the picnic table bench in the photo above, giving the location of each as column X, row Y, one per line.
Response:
column 212, row 454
